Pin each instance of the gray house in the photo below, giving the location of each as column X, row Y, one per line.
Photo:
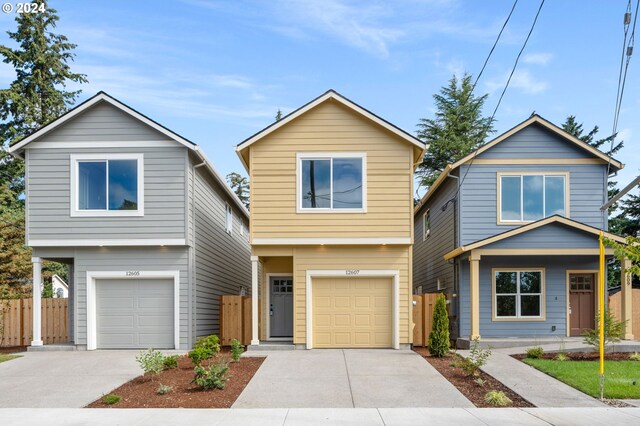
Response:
column 151, row 232
column 510, row 234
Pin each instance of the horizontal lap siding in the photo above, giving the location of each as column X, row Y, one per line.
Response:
column 549, row 236
column 331, row 128
column 363, row 258
column 222, row 261
column 555, row 276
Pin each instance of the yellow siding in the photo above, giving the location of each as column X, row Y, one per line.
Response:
column 360, row 257
column 331, row 127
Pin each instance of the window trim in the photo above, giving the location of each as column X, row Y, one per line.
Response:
column 499, row 175
column 228, row 218
column 329, row 156
column 426, row 218
column 74, row 164
column 518, row 317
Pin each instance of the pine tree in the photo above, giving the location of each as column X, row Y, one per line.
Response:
column 456, row 130
column 240, row 185
column 278, row 115
column 439, row 336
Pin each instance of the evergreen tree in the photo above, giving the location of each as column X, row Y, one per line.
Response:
column 439, row 336
column 456, row 130
column 278, row 115
column 240, row 185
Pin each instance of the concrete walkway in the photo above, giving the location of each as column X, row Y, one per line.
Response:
column 347, row 378
column 318, row 416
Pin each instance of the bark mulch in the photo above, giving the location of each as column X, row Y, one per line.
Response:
column 467, row 385
column 12, row 349
column 583, row 356
column 141, row 391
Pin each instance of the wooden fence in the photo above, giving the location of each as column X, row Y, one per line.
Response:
column 16, row 321
column 235, row 319
column 615, row 304
column 423, row 305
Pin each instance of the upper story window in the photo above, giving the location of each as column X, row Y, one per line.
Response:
column 332, row 182
column 426, row 225
column 229, row 218
column 526, row 197
column 107, row 185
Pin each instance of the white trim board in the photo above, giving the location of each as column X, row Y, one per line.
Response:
column 345, row 273
column 332, row 241
column 92, row 276
column 107, row 243
column 267, row 296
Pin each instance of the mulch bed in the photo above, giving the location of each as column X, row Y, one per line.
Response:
column 583, row 356
column 12, row 349
column 466, row 384
column 141, row 391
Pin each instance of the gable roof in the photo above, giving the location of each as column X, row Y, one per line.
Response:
column 529, row 227
column 335, row 96
column 17, row 150
column 534, row 119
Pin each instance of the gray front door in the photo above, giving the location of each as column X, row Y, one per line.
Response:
column 281, row 306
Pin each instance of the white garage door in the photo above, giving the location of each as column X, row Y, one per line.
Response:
column 134, row 313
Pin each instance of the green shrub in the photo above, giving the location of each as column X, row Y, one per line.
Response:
column 211, row 343
column 561, row 356
column 163, row 389
column 535, row 352
column 170, row 362
column 236, row 350
column 613, row 331
column 111, row 399
column 497, row 399
column 213, row 377
column 151, row 361
column 200, row 354
column 477, row 359
column 480, row 381
column 439, row 336
column 634, row 356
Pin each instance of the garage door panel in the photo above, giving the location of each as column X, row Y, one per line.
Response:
column 135, row 313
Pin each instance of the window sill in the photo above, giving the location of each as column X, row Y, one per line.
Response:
column 330, row 211
column 107, row 213
column 521, row 319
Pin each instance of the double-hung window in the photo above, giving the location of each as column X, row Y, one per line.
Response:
column 107, row 185
column 229, row 218
column 334, row 182
column 518, row 294
column 426, row 225
column 531, row 197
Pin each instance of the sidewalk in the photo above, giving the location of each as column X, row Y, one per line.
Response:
column 323, row 416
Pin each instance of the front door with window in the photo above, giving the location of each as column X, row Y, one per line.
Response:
column 281, row 306
column 581, row 303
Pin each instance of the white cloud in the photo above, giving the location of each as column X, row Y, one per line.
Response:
column 522, row 79
column 539, row 58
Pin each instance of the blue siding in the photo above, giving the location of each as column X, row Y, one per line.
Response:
column 555, row 287
column 554, row 235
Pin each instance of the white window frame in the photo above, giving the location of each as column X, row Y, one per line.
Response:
column 426, row 230
column 74, row 162
column 518, row 294
column 500, row 175
column 228, row 218
column 242, row 228
column 330, row 156
column 440, row 284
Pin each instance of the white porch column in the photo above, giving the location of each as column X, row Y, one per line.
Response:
column 474, row 294
column 255, row 339
column 37, row 303
column 627, row 298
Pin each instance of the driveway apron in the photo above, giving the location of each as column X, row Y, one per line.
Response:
column 338, row 378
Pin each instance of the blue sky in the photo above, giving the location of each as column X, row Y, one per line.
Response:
column 217, row 71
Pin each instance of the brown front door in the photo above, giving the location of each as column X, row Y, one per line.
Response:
column 581, row 303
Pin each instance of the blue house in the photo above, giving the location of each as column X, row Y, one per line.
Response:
column 510, row 235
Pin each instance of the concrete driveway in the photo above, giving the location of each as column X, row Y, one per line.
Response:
column 348, row 378
column 64, row 379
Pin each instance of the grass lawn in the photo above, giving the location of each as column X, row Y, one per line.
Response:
column 622, row 378
column 4, row 358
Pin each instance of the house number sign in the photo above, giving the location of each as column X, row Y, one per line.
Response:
column 133, row 273
column 352, row 271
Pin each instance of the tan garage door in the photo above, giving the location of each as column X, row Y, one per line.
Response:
column 352, row 312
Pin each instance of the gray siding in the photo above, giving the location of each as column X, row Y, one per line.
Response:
column 555, row 287
column 479, row 196
column 222, row 260
column 428, row 262
column 49, row 197
column 103, row 122
column 549, row 236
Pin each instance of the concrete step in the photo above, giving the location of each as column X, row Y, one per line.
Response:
column 53, row 347
column 272, row 346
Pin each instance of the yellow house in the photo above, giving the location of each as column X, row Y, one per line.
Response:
column 331, row 227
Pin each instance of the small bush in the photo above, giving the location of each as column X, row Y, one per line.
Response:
column 111, row 399
column 170, row 362
column 634, row 356
column 213, row 377
column 211, row 343
column 613, row 331
column 477, row 359
column 163, row 389
column 535, row 352
column 151, row 361
column 200, row 354
column 561, row 356
column 439, row 336
column 497, row 399
column 480, row 381
column 236, row 350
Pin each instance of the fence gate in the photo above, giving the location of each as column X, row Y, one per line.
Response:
column 235, row 319
column 16, row 321
column 423, row 305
